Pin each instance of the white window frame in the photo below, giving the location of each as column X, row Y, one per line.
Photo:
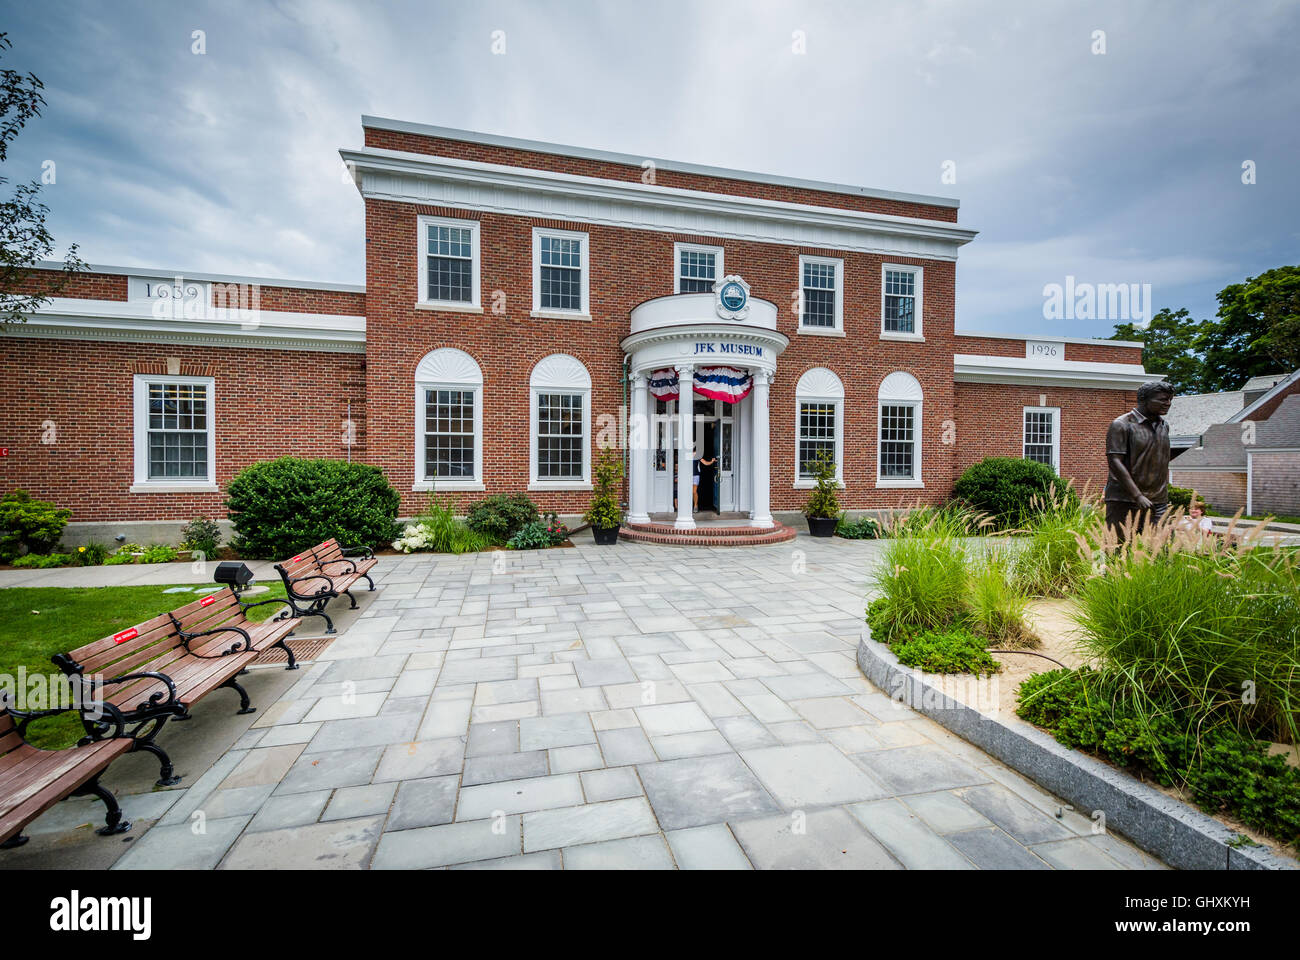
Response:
column 719, row 266
column 1056, row 433
column 585, row 312
column 140, row 406
column 819, row 385
column 901, row 393
column 422, row 247
column 918, row 333
column 838, row 264
column 559, row 373
column 447, row 369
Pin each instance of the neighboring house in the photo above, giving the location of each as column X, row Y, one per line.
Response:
column 1192, row 414
column 1251, row 461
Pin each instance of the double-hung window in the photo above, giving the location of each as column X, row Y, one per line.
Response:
column 174, row 433
column 560, row 411
column 448, row 422
column 821, row 286
column 698, row 268
column 449, row 263
column 561, row 272
column 819, row 423
column 898, row 442
column 1043, row 435
column 901, row 302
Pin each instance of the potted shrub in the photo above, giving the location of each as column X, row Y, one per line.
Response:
column 604, row 514
column 823, row 508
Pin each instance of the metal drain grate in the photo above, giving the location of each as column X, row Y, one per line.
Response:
column 305, row 649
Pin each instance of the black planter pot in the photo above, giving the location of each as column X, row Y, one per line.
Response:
column 822, row 526
column 605, row 535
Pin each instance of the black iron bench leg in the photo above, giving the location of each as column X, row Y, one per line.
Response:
column 317, row 609
column 244, row 702
column 369, row 581
column 348, row 594
column 293, row 661
column 166, row 773
column 15, row 841
column 113, row 822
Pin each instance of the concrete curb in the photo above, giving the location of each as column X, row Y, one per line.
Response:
column 1178, row 834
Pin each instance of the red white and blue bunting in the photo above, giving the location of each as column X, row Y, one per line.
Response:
column 717, row 383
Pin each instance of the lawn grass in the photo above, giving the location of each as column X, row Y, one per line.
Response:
column 38, row 622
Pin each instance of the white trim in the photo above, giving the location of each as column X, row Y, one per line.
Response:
column 447, row 368
column 627, row 159
column 902, row 337
column 1250, row 482
column 918, row 301
column 517, row 191
column 564, row 374
column 901, row 389
column 584, row 312
column 974, row 368
column 838, row 264
column 719, row 266
column 1025, row 337
column 1273, row 391
column 422, row 254
column 1056, row 433
column 448, row 308
column 819, row 385
column 143, row 483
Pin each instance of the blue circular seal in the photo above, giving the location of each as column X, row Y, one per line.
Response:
column 733, row 296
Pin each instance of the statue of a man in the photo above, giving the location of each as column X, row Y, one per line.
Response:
column 1137, row 451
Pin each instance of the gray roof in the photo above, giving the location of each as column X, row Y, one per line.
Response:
column 1222, row 443
column 1264, row 382
column 1191, row 414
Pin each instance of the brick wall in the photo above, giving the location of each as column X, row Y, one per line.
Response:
column 268, row 403
column 990, row 423
column 85, row 286
column 580, row 166
column 1224, row 491
column 1276, row 481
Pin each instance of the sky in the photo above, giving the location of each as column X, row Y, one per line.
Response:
column 1102, row 141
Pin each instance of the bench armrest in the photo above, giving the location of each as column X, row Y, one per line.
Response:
column 246, row 606
column 291, row 584
column 155, row 700
column 364, row 553
column 237, row 647
column 96, row 729
column 352, row 567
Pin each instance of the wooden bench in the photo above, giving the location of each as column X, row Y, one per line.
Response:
column 158, row 669
column 32, row 780
column 316, row 576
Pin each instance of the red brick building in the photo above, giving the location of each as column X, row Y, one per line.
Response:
column 526, row 303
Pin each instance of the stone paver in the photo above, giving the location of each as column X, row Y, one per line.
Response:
column 635, row 707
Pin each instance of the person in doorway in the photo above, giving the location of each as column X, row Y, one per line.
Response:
column 696, row 461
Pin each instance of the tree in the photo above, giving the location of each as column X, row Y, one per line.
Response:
column 1169, row 347
column 24, row 239
column 1258, row 329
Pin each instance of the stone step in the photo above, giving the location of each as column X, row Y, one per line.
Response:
column 665, row 535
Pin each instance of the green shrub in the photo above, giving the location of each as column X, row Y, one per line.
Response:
column 1223, row 769
column 862, row 529
column 1011, row 490
column 438, row 530
column 996, row 607
column 1182, row 497
column 281, row 507
column 202, row 535
column 159, row 553
column 537, row 535
column 41, row 561
column 500, row 516
column 822, row 502
column 31, row 525
column 952, row 651
column 604, row 511
column 925, row 582
column 91, row 555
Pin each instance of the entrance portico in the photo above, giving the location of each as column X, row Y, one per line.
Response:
column 716, row 353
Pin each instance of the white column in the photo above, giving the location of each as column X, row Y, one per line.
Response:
column 685, row 436
column 761, row 461
column 638, row 483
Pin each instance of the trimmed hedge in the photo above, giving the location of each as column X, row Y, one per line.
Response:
column 281, row 507
column 1011, row 489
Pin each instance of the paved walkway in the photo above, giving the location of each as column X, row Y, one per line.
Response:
column 634, row 706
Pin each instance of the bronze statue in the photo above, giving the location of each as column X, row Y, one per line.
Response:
column 1137, row 451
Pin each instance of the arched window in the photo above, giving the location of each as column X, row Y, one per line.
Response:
column 448, row 422
column 898, row 443
column 560, row 418
column 819, row 423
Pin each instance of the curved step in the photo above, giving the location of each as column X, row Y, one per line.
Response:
column 667, row 535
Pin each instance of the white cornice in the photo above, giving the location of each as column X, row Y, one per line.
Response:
column 75, row 319
column 717, row 331
column 470, row 185
column 973, row 368
column 630, row 160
